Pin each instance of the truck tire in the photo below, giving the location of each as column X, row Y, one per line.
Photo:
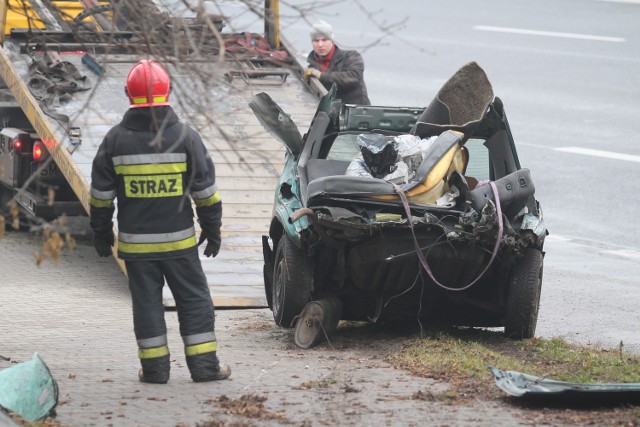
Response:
column 292, row 276
column 5, row 197
column 523, row 296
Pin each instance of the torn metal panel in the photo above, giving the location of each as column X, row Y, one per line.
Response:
column 524, row 385
column 535, row 224
column 28, row 389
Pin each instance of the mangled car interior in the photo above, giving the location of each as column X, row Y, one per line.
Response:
column 396, row 211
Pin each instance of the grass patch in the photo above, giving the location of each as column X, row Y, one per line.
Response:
column 463, row 356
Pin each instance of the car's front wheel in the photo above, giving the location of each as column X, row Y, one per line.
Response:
column 267, row 274
column 523, row 297
column 291, row 285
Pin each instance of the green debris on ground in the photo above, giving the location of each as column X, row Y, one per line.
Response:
column 466, row 353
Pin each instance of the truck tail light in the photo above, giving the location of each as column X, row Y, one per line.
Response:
column 18, row 145
column 38, row 151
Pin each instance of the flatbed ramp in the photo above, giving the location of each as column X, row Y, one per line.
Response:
column 213, row 96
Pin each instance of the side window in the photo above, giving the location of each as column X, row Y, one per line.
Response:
column 479, row 166
column 344, row 147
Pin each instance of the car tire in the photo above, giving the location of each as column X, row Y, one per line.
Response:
column 267, row 274
column 523, row 296
column 292, row 276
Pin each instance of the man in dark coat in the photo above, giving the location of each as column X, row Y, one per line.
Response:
column 330, row 64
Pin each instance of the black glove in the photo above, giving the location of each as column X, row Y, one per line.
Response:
column 213, row 239
column 103, row 241
column 210, row 219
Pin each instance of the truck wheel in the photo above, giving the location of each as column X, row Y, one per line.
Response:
column 292, row 276
column 5, row 197
column 523, row 297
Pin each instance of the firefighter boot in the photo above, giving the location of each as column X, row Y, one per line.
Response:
column 154, row 370
column 207, row 367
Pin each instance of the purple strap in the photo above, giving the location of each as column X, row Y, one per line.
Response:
column 421, row 257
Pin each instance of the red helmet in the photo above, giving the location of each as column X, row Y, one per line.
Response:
column 148, row 85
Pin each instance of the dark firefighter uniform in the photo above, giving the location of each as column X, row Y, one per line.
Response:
column 154, row 165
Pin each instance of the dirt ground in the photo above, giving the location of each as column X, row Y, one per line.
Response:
column 347, row 382
column 87, row 342
column 351, row 382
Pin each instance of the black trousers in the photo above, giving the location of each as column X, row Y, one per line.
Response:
column 187, row 282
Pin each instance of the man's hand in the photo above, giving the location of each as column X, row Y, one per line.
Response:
column 103, row 242
column 311, row 72
column 213, row 239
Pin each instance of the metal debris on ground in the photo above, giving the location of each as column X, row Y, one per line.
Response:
column 28, row 389
column 540, row 388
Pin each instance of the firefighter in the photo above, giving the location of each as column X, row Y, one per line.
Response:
column 153, row 164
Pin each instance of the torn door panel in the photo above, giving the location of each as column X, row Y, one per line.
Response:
column 524, row 385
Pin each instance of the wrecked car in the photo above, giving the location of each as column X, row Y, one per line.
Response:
column 398, row 211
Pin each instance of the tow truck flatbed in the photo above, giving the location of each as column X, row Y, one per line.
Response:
column 210, row 93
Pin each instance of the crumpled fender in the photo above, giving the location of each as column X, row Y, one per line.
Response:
column 28, row 389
